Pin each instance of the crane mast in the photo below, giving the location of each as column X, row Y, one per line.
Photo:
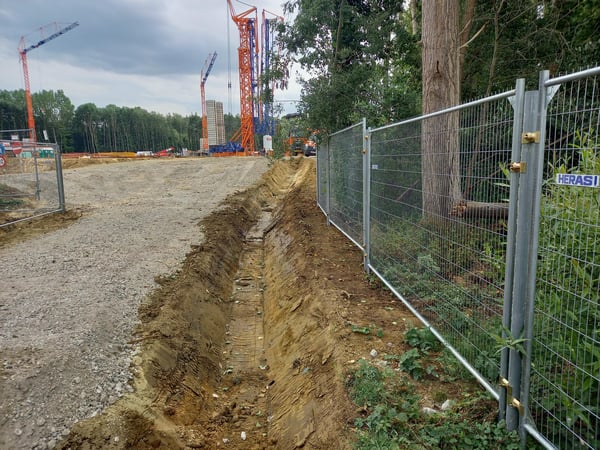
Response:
column 266, row 123
column 208, row 65
column 247, row 55
column 23, row 50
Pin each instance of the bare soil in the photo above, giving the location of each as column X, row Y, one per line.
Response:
column 248, row 344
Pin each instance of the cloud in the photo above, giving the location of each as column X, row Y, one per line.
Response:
column 146, row 53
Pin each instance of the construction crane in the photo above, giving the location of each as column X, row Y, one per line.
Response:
column 248, row 69
column 208, row 65
column 266, row 122
column 23, row 50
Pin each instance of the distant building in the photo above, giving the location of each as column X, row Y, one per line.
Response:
column 216, row 122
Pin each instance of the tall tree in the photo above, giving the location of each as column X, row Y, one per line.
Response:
column 355, row 52
column 441, row 89
column 54, row 112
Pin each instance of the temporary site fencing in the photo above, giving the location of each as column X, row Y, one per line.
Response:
column 484, row 220
column 31, row 180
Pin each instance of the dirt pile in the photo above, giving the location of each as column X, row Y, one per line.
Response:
column 247, row 346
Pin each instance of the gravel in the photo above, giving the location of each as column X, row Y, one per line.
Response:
column 69, row 298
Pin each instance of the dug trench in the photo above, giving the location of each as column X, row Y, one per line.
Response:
column 249, row 344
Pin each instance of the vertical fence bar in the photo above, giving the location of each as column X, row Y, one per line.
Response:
column 366, row 195
column 537, row 170
column 59, row 179
column 522, row 250
column 517, row 104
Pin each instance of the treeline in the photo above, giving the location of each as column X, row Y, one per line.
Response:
column 364, row 56
column 91, row 129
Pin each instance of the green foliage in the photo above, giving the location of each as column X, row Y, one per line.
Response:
column 393, row 419
column 363, row 61
column 366, row 385
column 456, row 434
column 90, row 129
column 568, row 317
column 422, row 338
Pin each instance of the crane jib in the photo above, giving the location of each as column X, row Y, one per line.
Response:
column 52, row 36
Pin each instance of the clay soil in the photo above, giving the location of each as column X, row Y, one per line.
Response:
column 249, row 344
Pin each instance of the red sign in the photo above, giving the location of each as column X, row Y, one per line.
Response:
column 2, row 161
column 17, row 150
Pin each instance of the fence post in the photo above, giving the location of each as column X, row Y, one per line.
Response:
column 537, row 175
column 328, row 182
column 517, row 104
column 59, row 179
column 526, row 182
column 529, row 168
column 366, row 194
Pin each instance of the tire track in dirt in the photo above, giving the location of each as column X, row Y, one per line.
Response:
column 203, row 375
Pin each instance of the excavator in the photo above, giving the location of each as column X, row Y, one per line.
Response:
column 301, row 140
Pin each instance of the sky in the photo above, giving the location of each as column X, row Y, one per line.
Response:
column 146, row 53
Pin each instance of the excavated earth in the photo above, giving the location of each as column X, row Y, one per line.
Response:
column 248, row 345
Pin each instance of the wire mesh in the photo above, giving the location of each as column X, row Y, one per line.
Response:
column 323, row 177
column 439, row 193
column 29, row 184
column 564, row 394
column 437, row 201
column 346, row 181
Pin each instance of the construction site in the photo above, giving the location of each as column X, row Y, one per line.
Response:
column 131, row 320
column 158, row 302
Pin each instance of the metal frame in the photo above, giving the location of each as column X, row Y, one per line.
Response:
column 530, row 110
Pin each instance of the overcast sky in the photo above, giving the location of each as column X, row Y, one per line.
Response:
column 146, row 53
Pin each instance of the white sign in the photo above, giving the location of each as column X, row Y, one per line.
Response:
column 572, row 179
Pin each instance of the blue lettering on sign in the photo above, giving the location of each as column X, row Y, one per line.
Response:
column 568, row 179
column 2, row 149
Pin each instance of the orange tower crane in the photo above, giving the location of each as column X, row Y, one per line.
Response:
column 23, row 50
column 247, row 55
column 208, row 65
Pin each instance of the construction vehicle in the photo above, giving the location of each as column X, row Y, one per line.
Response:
column 310, row 148
column 302, row 142
column 166, row 152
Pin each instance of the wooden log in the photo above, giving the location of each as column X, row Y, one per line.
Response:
column 480, row 210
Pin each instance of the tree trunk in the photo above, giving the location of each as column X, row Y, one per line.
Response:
column 413, row 17
column 441, row 89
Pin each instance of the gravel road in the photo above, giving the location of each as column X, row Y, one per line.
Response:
column 69, row 298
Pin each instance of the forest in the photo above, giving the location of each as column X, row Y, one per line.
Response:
column 90, row 129
column 364, row 60
column 365, row 56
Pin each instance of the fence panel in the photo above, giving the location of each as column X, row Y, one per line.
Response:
column 564, row 391
column 441, row 237
column 30, row 181
column 346, row 181
column 323, row 177
column 441, row 246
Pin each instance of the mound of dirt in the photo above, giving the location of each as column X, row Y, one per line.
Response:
column 249, row 344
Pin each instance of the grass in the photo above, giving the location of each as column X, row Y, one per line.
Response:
column 391, row 412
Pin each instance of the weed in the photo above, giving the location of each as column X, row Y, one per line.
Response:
column 422, row 338
column 366, row 385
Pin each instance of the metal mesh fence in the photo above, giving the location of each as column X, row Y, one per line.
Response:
column 345, row 150
column 441, row 245
column 30, row 180
column 451, row 206
column 323, row 177
column 564, row 397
